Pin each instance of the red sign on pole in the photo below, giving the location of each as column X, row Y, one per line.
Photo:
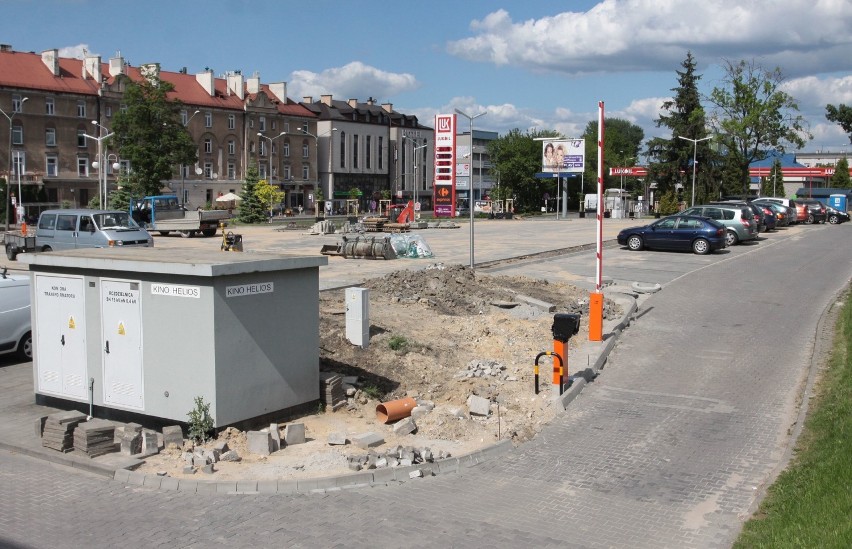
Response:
column 445, row 165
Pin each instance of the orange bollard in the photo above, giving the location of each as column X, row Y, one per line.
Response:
column 24, row 228
column 596, row 316
column 560, row 349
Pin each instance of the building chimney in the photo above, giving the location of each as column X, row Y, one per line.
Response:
column 92, row 68
column 235, row 84
column 116, row 64
column 307, row 99
column 388, row 107
column 326, row 100
column 279, row 90
column 150, row 71
column 6, row 48
column 352, row 103
column 51, row 59
column 205, row 79
column 253, row 84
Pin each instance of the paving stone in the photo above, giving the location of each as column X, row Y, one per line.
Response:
column 259, row 442
column 275, row 435
column 294, row 433
column 367, row 440
column 404, row 426
column 172, row 434
column 478, row 406
column 336, row 438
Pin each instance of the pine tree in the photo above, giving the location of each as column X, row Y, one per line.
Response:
column 251, row 208
column 840, row 179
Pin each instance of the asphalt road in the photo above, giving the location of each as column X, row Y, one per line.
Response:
column 669, row 447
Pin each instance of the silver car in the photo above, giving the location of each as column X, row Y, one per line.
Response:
column 739, row 221
column 15, row 331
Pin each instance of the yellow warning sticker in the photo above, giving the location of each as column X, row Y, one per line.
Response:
column 71, row 324
column 121, row 331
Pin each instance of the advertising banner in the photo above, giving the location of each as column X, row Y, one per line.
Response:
column 445, row 165
column 563, row 155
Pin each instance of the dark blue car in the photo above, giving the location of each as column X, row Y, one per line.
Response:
column 677, row 232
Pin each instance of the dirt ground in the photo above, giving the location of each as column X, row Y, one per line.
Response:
column 438, row 335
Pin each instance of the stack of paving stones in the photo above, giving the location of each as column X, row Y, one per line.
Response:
column 58, row 433
column 95, row 438
column 332, row 392
column 398, row 456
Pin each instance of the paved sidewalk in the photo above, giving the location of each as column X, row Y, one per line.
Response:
column 494, row 240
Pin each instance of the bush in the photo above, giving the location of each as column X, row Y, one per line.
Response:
column 200, row 422
column 398, row 343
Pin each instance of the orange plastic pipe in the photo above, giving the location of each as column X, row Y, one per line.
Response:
column 393, row 410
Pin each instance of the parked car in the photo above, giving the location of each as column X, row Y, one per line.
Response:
column 763, row 223
column 816, row 210
column 836, row 217
column 738, row 220
column 792, row 205
column 15, row 331
column 676, row 232
column 781, row 213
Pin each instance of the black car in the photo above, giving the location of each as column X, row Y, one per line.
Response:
column 835, row 217
column 816, row 210
column 677, row 232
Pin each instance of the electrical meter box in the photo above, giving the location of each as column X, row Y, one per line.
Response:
column 144, row 331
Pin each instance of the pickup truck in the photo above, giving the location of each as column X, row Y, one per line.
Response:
column 165, row 214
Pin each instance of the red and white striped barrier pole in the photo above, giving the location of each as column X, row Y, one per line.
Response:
column 596, row 298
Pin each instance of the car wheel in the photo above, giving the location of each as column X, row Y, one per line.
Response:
column 165, row 233
column 701, row 246
column 187, row 234
column 731, row 238
column 810, row 219
column 47, row 249
column 833, row 219
column 11, row 252
column 25, row 347
column 635, row 243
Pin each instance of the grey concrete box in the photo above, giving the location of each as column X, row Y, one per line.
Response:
column 294, row 433
column 259, row 442
column 143, row 298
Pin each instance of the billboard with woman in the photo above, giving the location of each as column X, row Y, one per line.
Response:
column 563, row 155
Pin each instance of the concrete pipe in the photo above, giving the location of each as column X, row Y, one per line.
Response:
column 393, row 410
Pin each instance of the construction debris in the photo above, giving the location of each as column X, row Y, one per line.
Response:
column 58, row 433
column 95, row 438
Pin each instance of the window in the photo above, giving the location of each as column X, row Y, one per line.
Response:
column 306, row 151
column 124, row 166
column 381, row 150
column 208, row 145
column 108, row 111
column 232, row 147
column 19, row 162
column 184, row 117
column 251, row 147
column 261, row 123
column 81, row 138
column 251, row 122
column 285, row 151
column 232, row 121
column 232, row 171
column 342, row 149
column 208, row 170
column 52, row 165
column 17, row 103
column 81, row 109
column 123, row 107
column 17, row 134
column 82, row 166
column 208, row 119
column 287, row 173
column 66, row 222
column 306, row 172
column 261, row 170
column 286, row 126
column 369, row 156
column 262, row 147
column 50, row 137
column 274, row 124
column 49, row 106
column 355, row 151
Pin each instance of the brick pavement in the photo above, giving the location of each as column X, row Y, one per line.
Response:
column 665, row 449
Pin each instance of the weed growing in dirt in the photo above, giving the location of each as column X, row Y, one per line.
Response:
column 398, row 343
column 373, row 392
column 200, row 422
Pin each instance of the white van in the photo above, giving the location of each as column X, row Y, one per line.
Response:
column 15, row 332
column 70, row 229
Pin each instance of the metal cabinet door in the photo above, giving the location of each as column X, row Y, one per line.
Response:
column 121, row 328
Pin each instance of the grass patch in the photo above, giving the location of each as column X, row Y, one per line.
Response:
column 373, row 392
column 398, row 343
column 810, row 504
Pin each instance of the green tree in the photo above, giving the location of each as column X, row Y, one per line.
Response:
column 622, row 144
column 669, row 202
column 119, row 199
column 752, row 115
column 517, row 156
column 773, row 185
column 841, row 115
column 269, row 195
column 670, row 160
column 251, row 207
column 149, row 133
column 840, row 179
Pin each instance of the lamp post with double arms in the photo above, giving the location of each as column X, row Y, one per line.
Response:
column 98, row 165
column 470, row 120
column 694, row 154
column 11, row 164
column 330, row 133
column 270, row 139
column 183, row 166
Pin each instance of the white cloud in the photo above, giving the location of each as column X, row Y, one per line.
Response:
column 638, row 35
column 353, row 80
column 76, row 52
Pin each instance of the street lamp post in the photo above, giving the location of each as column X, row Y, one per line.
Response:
column 101, row 167
column 11, row 164
column 470, row 120
column 414, row 150
column 329, row 133
column 270, row 139
column 694, row 154
column 183, row 166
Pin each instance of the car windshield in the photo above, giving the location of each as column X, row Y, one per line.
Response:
column 115, row 220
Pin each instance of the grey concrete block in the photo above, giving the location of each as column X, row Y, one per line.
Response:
column 419, row 411
column 383, row 476
column 169, row 483
column 206, row 487
column 39, row 426
column 478, row 406
column 185, row 485
column 288, row 486
column 150, row 442
column 172, row 434
column 259, row 442
column 152, row 481
column 267, row 486
column 188, row 470
column 294, row 433
column 247, row 486
column 226, row 487
column 207, row 469
column 230, row 455
column 404, row 426
column 381, row 462
column 275, row 435
column 199, row 461
column 131, row 443
column 337, row 438
column 221, row 447
column 368, row 440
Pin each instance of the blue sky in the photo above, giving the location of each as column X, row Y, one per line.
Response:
column 528, row 64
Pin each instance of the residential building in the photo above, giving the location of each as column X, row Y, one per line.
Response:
column 474, row 169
